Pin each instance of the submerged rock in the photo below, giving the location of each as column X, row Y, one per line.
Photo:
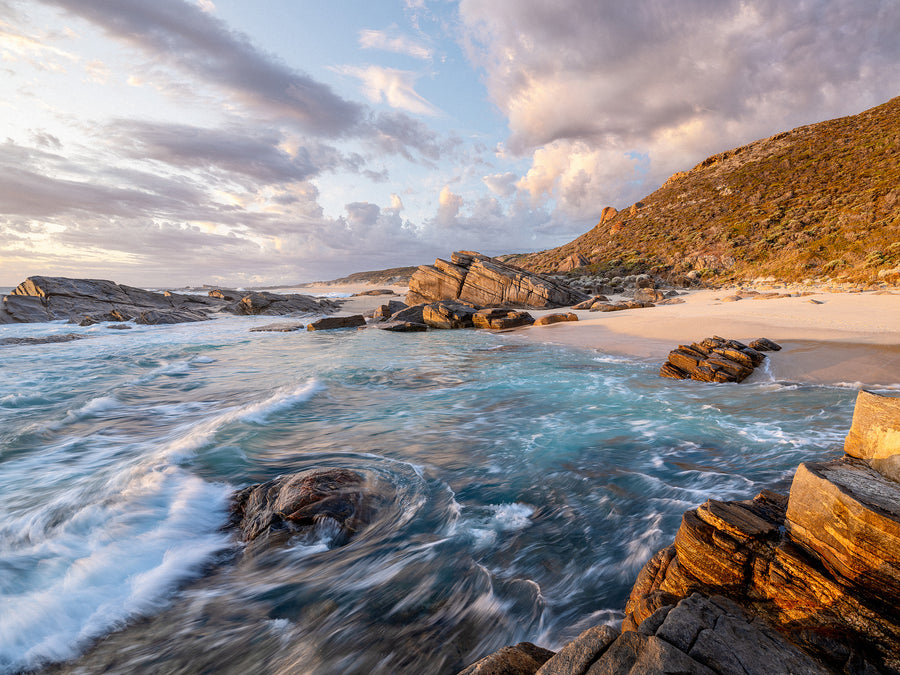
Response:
column 402, row 326
column 289, row 504
column 277, row 328
column 68, row 337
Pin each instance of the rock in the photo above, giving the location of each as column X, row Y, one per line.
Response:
column 875, row 433
column 333, row 322
column 501, row 318
column 574, row 261
column 158, row 317
column 392, row 307
column 485, row 281
column 548, row 319
column 578, row 655
column 822, row 566
column 587, row 304
column 415, row 314
column 119, row 326
column 607, row 214
column 619, row 306
column 375, row 291
column 277, row 328
column 643, row 295
column 289, row 504
column 714, row 359
column 670, row 301
column 225, row 294
column 765, row 345
column 402, row 326
column 277, row 304
column 449, row 314
column 40, row 299
column 848, row 515
column 521, row 659
column 732, row 298
column 51, row 339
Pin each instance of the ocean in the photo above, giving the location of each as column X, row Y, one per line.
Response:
column 524, row 486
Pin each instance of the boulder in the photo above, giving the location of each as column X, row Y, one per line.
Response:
column 277, row 304
column 402, row 326
column 449, row 314
column 483, row 281
column 644, row 295
column 392, row 307
column 333, row 322
column 714, row 359
column 375, row 291
column 521, row 659
column 765, row 345
column 587, row 304
column 414, row 313
column 607, row 214
column 499, row 319
column 875, row 433
column 548, row 319
column 292, row 504
column 226, row 294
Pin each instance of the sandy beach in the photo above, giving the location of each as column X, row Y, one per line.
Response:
column 827, row 338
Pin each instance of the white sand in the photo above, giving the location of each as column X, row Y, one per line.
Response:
column 848, row 338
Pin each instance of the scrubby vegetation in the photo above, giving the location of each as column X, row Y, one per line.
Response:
column 821, row 201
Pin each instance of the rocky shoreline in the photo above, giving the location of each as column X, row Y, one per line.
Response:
column 802, row 583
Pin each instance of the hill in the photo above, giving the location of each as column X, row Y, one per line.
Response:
column 394, row 275
column 820, row 201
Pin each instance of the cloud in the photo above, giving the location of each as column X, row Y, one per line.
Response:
column 449, row 205
column 675, row 82
column 395, row 87
column 392, row 41
column 258, row 153
column 183, row 36
column 501, row 184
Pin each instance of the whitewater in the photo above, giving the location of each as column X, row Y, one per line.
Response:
column 524, row 486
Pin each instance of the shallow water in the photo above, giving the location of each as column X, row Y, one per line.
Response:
column 524, row 484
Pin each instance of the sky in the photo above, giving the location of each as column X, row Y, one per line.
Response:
column 241, row 143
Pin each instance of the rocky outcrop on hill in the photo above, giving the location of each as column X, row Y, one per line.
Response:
column 290, row 505
column 484, row 281
column 804, row 583
column 88, row 301
column 714, row 359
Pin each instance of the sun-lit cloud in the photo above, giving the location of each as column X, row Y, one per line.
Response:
column 393, row 41
column 394, row 87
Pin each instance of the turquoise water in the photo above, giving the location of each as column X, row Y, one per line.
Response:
column 525, row 486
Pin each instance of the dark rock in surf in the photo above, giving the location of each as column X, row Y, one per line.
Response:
column 449, row 314
column 402, row 327
column 334, row 322
column 392, row 307
column 277, row 328
column 291, row 504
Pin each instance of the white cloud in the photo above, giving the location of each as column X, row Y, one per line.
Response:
column 395, row 87
column 501, row 184
column 449, row 205
column 392, row 41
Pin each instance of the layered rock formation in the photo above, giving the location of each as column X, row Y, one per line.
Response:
column 88, row 301
column 805, row 583
column 714, row 359
column 478, row 279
